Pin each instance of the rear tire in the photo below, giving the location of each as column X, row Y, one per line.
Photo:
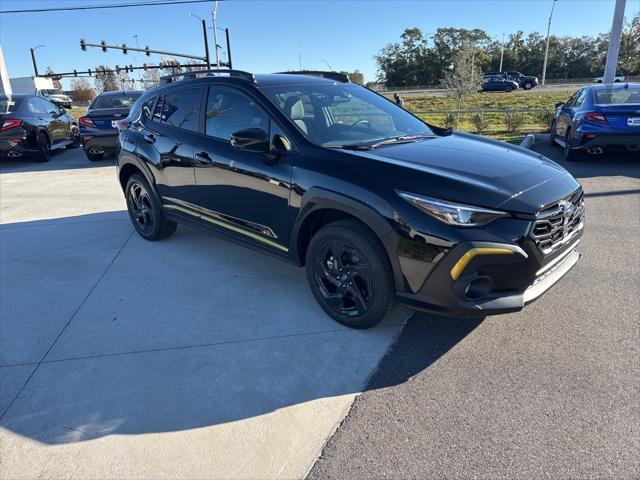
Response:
column 44, row 148
column 75, row 136
column 145, row 211
column 552, row 135
column 570, row 155
column 508, row 88
column 94, row 157
column 350, row 275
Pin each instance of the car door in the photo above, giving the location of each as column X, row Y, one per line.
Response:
column 59, row 125
column 240, row 190
column 166, row 146
column 565, row 115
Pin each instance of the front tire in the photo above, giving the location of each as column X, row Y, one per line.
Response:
column 349, row 274
column 508, row 88
column 145, row 211
column 528, row 86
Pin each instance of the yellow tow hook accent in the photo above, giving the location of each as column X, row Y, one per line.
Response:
column 461, row 264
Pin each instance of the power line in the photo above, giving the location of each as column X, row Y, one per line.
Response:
column 113, row 5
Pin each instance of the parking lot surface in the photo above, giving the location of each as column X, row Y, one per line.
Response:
column 550, row 392
column 186, row 358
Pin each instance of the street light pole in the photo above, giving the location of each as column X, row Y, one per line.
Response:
column 614, row 42
column 33, row 59
column 502, row 53
column 206, row 39
column 215, row 35
column 546, row 48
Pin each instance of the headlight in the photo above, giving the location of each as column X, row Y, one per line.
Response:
column 453, row 213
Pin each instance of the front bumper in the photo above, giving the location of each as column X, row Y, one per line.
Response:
column 507, row 282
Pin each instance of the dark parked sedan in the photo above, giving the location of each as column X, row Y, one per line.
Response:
column 498, row 83
column 31, row 125
column 99, row 126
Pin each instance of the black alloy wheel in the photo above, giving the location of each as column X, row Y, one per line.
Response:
column 349, row 274
column 344, row 278
column 145, row 212
column 140, row 208
column 75, row 137
column 44, row 148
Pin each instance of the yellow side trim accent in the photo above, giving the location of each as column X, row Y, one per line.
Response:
column 461, row 264
column 229, row 227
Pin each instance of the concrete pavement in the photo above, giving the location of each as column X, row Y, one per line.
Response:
column 191, row 357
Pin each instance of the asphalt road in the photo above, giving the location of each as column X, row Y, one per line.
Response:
column 550, row 392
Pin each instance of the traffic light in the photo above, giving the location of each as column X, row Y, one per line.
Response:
column 89, row 72
column 83, row 46
column 117, row 68
column 104, row 45
column 75, row 72
column 146, row 51
column 124, row 48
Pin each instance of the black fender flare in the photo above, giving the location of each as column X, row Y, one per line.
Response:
column 134, row 161
column 377, row 215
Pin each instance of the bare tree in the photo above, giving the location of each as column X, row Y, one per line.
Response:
column 82, row 91
column 106, row 80
column 56, row 82
column 151, row 78
column 465, row 77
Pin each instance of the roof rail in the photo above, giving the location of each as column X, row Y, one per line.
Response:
column 206, row 73
column 339, row 77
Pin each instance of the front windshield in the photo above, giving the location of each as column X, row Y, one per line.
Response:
column 51, row 91
column 333, row 115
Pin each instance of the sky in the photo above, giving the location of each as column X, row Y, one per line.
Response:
column 270, row 36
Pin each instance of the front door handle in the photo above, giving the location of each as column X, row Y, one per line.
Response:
column 149, row 137
column 204, row 158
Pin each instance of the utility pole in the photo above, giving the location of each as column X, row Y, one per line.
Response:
column 501, row 53
column 546, row 49
column 614, row 42
column 215, row 34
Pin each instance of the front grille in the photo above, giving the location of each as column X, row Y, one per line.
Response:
column 558, row 222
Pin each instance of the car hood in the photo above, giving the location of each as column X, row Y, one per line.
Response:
column 469, row 169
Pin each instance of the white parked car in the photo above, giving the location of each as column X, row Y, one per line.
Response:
column 618, row 79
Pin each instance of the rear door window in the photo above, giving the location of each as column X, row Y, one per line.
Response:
column 180, row 109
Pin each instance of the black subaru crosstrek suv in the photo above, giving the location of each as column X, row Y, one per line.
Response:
column 380, row 207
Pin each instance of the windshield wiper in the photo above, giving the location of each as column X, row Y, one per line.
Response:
column 386, row 141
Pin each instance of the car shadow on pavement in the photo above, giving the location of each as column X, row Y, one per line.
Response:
column 606, row 165
column 104, row 334
column 62, row 159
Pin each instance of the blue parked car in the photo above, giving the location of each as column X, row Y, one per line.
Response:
column 598, row 118
column 99, row 127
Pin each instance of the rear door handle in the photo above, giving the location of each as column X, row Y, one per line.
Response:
column 204, row 158
column 149, row 137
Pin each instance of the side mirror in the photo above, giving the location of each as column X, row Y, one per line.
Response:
column 559, row 104
column 62, row 111
column 251, row 139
